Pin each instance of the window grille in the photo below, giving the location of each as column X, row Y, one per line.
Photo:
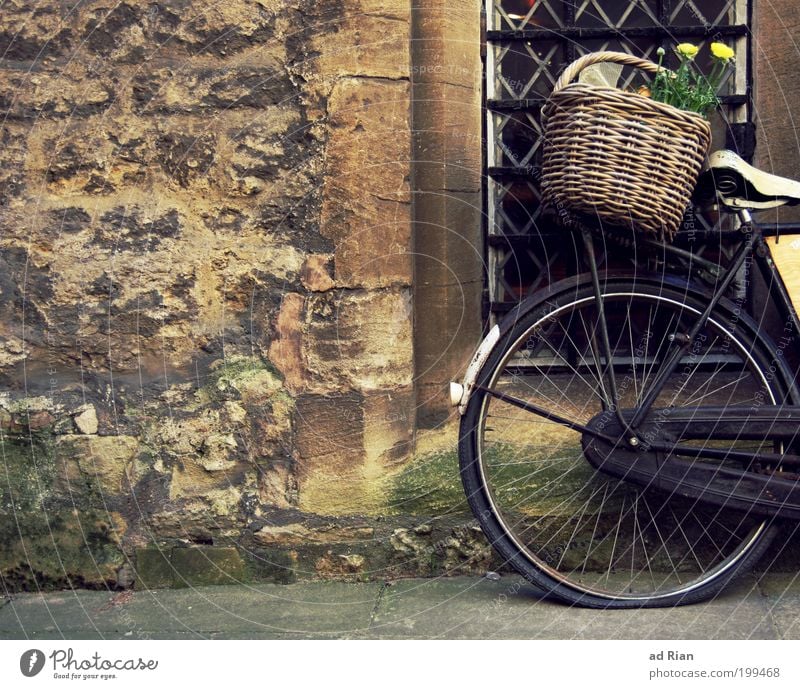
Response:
column 528, row 43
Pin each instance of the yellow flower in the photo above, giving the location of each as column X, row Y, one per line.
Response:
column 687, row 50
column 721, row 51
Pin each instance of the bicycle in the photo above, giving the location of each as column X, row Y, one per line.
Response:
column 631, row 439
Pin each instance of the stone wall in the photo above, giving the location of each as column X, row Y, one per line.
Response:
column 776, row 61
column 239, row 260
column 206, row 309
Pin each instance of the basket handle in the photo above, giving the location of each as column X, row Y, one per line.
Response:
column 575, row 68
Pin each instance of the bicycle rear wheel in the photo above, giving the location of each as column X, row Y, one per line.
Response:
column 587, row 538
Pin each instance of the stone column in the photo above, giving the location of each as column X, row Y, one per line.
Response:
column 446, row 77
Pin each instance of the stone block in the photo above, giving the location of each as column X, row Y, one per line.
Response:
column 389, row 417
column 338, row 338
column 187, row 567
column 366, row 199
column 127, row 32
column 367, row 42
column 33, row 32
column 299, row 535
column 153, row 568
column 777, row 149
column 330, row 432
column 74, row 91
column 362, row 339
column 207, row 90
column 207, row 566
column 96, row 463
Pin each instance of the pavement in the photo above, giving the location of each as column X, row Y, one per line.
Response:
column 445, row 608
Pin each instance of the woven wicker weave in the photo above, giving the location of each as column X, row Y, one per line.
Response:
column 618, row 155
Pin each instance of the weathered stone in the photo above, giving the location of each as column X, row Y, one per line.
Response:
column 299, row 534
column 207, row 566
column 388, row 428
column 360, row 339
column 371, row 39
column 286, row 350
column 190, row 478
column 315, row 274
column 185, row 157
column 130, row 32
column 775, row 71
column 14, row 142
column 63, row 548
column 86, row 420
column 277, row 485
column 214, row 513
column 366, row 199
column 134, row 228
column 32, row 32
column 192, row 194
column 332, row 565
column 216, row 451
column 105, row 462
column 153, row 568
column 126, row 576
column 74, row 91
column 204, row 90
column 330, row 431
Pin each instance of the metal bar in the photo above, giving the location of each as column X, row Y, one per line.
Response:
column 512, row 104
column 778, row 229
column 529, row 171
column 713, row 268
column 540, row 411
column 722, row 454
column 738, row 260
column 569, row 24
column 584, row 33
column 601, row 319
column 487, row 138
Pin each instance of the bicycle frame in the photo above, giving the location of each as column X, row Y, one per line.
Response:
column 754, row 248
column 607, row 451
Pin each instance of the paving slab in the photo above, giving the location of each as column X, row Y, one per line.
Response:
column 510, row 608
column 782, row 599
column 321, row 609
column 446, row 608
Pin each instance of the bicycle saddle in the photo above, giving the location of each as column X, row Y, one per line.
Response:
column 732, row 182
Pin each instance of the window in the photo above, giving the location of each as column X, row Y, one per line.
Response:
column 528, row 44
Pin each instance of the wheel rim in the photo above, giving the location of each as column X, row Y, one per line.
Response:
column 584, row 531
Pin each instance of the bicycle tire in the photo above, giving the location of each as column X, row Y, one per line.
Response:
column 536, row 516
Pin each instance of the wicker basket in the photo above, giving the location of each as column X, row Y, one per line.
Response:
column 619, row 156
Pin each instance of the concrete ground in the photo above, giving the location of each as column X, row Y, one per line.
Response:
column 459, row 607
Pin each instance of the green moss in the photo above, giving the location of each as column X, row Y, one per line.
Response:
column 26, row 475
column 530, row 479
column 186, row 567
column 237, row 368
column 59, row 549
column 538, row 479
column 430, row 485
column 239, row 376
column 44, row 543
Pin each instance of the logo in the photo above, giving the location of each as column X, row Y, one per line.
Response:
column 31, row 662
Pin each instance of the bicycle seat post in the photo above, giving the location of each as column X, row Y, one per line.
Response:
column 745, row 218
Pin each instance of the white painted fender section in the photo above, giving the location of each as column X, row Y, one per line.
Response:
column 460, row 392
